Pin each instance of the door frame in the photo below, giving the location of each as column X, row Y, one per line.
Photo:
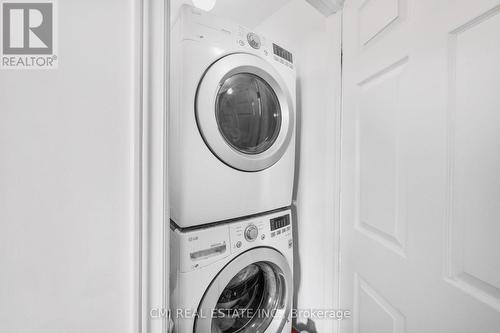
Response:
column 151, row 199
column 333, row 268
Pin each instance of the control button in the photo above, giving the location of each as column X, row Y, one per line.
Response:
column 263, row 237
column 253, row 40
column 290, row 243
column 242, row 43
column 238, row 244
column 278, row 232
column 251, row 233
column 273, row 234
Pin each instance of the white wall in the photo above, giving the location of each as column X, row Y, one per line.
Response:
column 69, row 238
column 315, row 43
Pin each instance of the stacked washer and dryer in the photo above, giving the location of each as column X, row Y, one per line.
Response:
column 231, row 164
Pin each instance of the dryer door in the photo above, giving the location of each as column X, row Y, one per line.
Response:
column 253, row 293
column 245, row 112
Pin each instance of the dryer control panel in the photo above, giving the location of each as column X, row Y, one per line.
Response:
column 247, row 38
column 201, row 26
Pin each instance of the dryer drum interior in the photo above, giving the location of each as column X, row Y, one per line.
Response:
column 248, row 113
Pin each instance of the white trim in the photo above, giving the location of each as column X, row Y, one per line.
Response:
column 136, row 201
column 332, row 245
column 153, row 197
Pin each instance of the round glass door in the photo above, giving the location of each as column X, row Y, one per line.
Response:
column 252, row 293
column 249, row 300
column 248, row 113
column 244, row 112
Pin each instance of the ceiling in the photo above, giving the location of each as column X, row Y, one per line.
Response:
column 249, row 13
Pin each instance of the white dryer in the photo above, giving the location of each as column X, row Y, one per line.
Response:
column 233, row 277
column 232, row 116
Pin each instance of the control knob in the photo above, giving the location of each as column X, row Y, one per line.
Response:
column 253, row 40
column 251, row 233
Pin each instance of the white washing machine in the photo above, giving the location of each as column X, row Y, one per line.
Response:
column 232, row 116
column 233, row 277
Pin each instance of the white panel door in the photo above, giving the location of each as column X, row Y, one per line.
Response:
column 420, row 221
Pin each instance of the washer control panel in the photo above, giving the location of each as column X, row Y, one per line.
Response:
column 201, row 247
column 246, row 234
column 279, row 225
column 259, row 231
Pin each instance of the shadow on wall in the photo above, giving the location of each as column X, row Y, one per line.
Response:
column 310, row 327
column 296, row 258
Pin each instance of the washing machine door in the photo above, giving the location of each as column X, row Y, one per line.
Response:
column 245, row 112
column 253, row 293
